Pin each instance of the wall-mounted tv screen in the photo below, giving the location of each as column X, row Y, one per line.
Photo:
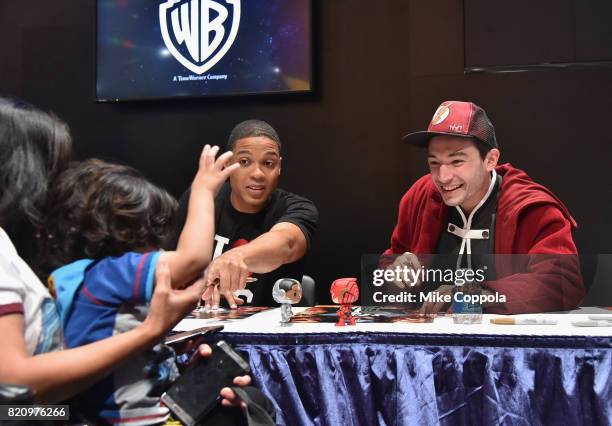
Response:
column 155, row 49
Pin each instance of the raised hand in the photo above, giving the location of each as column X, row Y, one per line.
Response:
column 213, row 173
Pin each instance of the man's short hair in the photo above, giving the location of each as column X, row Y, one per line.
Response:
column 250, row 129
column 482, row 148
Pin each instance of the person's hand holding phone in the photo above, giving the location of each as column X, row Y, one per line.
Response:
column 229, row 397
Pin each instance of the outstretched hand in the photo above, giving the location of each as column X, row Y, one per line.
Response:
column 225, row 275
column 169, row 306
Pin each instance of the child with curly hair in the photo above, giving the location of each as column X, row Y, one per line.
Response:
column 105, row 225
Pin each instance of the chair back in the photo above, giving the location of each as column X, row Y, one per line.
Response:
column 308, row 291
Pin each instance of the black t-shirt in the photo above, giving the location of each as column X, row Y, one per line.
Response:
column 233, row 228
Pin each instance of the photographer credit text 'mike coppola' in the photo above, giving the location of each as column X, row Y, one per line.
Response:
column 414, row 278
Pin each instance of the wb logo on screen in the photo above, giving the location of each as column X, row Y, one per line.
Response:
column 198, row 33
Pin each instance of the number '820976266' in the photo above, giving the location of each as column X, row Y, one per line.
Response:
column 34, row 412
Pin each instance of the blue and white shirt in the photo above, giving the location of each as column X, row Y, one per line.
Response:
column 98, row 299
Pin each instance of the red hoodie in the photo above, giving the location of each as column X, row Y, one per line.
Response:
column 531, row 220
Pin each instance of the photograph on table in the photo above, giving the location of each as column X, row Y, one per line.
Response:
column 362, row 314
column 223, row 314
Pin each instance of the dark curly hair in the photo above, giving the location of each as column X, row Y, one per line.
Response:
column 35, row 147
column 98, row 209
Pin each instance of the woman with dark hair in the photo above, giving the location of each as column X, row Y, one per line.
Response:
column 34, row 149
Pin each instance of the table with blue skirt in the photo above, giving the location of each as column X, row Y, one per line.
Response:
column 429, row 373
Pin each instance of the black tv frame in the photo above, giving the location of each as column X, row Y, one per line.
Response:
column 284, row 93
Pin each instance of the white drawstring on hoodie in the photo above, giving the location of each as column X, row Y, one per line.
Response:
column 466, row 233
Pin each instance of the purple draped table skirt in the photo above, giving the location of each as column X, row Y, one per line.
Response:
column 426, row 379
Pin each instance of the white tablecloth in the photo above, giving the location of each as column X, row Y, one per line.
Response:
column 269, row 322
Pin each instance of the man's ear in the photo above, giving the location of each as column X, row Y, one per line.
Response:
column 491, row 159
column 280, row 161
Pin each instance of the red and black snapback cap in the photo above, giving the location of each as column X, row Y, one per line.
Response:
column 456, row 118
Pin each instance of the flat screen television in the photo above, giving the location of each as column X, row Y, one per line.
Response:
column 157, row 49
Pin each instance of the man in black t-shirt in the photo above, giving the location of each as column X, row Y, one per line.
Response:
column 260, row 230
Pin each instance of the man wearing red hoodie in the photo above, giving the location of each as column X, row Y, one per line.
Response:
column 469, row 208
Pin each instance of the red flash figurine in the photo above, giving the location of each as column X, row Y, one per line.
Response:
column 345, row 292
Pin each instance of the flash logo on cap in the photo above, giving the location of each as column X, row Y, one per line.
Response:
column 440, row 115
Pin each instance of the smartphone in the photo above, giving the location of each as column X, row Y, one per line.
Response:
column 177, row 338
column 196, row 392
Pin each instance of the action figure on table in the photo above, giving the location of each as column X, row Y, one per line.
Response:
column 345, row 291
column 287, row 292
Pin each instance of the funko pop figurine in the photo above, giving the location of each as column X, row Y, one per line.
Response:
column 287, row 292
column 345, row 292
